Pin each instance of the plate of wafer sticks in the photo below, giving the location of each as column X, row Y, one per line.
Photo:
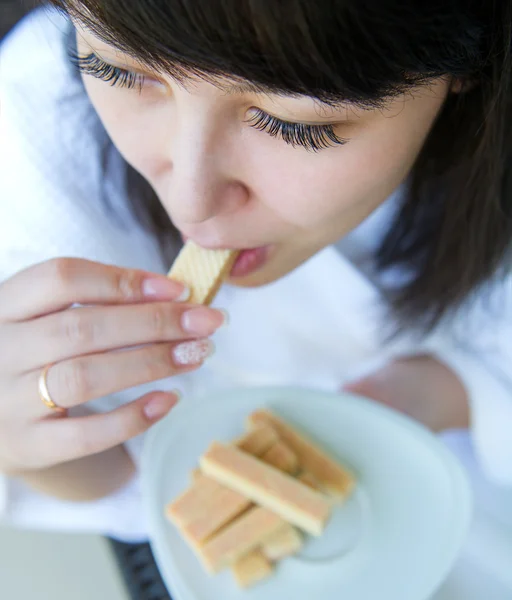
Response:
column 276, row 492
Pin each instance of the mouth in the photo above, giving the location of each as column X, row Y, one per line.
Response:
column 248, row 261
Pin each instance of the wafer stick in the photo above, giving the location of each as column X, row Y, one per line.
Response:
column 196, row 474
column 281, row 457
column 249, row 497
column 306, row 478
column 204, row 508
column 258, row 440
column 203, row 271
column 251, row 569
column 239, row 538
column 255, row 442
column 285, row 542
column 265, row 485
column 207, row 505
column 332, row 477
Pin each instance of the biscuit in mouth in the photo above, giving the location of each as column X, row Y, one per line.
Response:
column 202, row 270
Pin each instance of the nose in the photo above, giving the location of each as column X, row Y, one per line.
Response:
column 202, row 182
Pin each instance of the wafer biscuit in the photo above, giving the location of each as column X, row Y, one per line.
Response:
column 265, row 485
column 239, row 538
column 257, row 441
column 281, row 457
column 249, row 496
column 205, row 508
column 202, row 270
column 334, row 479
column 196, row 474
column 218, row 505
column 251, row 569
column 307, row 479
column 285, row 542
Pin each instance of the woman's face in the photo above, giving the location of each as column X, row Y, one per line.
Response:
column 227, row 180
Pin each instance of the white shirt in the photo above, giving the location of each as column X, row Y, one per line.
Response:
column 62, row 194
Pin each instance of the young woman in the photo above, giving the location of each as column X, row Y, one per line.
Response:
column 357, row 153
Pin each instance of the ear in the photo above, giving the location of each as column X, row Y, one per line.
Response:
column 461, row 85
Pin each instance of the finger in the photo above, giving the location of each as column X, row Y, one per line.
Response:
column 86, row 378
column 59, row 283
column 89, row 330
column 62, row 440
column 375, row 387
column 354, row 386
column 362, row 387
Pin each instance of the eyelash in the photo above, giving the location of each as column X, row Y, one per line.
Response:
column 310, row 137
column 93, row 65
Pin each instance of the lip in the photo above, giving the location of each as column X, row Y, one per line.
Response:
column 248, row 260
column 216, row 246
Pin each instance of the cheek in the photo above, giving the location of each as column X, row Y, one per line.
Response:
column 137, row 132
column 340, row 184
column 311, row 191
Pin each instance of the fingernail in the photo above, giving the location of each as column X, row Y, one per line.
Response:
column 159, row 406
column 193, row 353
column 202, row 321
column 168, row 289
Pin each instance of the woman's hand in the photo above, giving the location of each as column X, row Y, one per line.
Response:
column 128, row 310
column 421, row 387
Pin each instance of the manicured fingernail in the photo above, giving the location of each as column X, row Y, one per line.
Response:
column 193, row 353
column 167, row 289
column 202, row 321
column 159, row 406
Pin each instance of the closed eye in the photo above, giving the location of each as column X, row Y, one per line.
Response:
column 311, row 137
column 91, row 64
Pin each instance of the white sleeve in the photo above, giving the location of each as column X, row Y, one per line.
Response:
column 61, row 194
column 62, row 183
column 478, row 348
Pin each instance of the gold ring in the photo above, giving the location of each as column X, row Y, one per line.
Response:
column 44, row 394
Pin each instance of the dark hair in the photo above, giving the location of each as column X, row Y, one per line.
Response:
column 453, row 229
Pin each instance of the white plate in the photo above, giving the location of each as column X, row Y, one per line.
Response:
column 396, row 538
